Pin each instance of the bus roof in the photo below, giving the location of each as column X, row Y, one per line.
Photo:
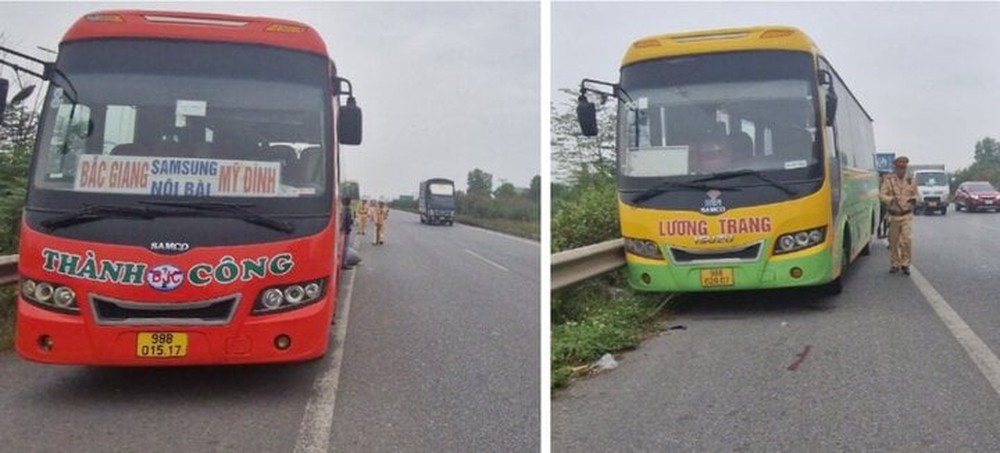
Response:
column 777, row 37
column 196, row 27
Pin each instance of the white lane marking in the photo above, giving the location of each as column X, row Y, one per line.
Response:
column 989, row 227
column 470, row 252
column 980, row 353
column 314, row 431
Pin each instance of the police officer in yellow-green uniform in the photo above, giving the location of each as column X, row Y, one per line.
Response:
column 362, row 217
column 899, row 195
column 381, row 217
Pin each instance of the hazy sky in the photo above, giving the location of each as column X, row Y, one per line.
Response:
column 444, row 87
column 929, row 73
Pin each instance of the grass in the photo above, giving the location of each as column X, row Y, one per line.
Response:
column 7, row 304
column 598, row 317
column 520, row 228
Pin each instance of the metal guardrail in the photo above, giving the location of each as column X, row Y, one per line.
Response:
column 577, row 265
column 8, row 269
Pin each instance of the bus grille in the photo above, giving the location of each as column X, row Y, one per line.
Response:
column 748, row 253
column 108, row 311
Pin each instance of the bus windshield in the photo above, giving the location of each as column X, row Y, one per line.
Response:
column 185, row 119
column 713, row 113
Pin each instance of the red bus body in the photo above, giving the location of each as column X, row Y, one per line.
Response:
column 226, row 332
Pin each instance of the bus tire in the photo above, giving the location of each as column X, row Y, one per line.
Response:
column 837, row 285
column 868, row 246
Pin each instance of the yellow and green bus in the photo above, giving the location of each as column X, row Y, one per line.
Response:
column 744, row 162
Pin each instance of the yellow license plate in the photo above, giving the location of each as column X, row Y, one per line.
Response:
column 161, row 344
column 717, row 277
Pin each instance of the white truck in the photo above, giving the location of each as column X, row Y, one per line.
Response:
column 933, row 190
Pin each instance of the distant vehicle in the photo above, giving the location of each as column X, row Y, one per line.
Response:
column 436, row 201
column 350, row 189
column 976, row 196
column 932, row 190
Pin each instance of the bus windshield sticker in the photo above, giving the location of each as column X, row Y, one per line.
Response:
column 177, row 176
column 791, row 165
column 191, row 108
column 658, row 161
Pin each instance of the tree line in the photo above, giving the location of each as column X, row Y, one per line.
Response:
column 985, row 165
column 17, row 140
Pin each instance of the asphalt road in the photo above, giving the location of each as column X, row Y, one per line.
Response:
column 440, row 353
column 874, row 369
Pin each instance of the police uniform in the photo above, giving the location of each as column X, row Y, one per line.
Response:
column 362, row 217
column 381, row 214
column 899, row 196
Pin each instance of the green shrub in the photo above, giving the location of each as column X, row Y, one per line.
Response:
column 586, row 217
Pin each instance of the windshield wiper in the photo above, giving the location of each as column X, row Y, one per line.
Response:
column 755, row 173
column 98, row 212
column 238, row 209
column 667, row 186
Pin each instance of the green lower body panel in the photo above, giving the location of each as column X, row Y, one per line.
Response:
column 816, row 269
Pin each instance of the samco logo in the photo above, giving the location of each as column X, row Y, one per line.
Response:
column 713, row 204
column 165, row 277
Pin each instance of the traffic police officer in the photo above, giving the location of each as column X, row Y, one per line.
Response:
column 362, row 216
column 381, row 216
column 899, row 195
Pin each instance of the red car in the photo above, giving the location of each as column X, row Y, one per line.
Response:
column 976, row 196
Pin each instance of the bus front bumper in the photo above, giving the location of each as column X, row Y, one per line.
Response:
column 816, row 269
column 48, row 337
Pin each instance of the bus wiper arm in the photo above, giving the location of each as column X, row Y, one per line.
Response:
column 667, row 186
column 97, row 212
column 757, row 174
column 238, row 209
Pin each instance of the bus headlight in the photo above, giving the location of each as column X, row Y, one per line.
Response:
column 272, row 298
column 49, row 296
column 288, row 297
column 793, row 242
column 63, row 297
column 644, row 248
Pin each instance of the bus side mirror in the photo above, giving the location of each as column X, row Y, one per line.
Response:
column 825, row 79
column 4, row 84
column 831, row 107
column 349, row 125
column 586, row 115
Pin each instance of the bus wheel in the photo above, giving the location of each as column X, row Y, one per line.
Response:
column 868, row 246
column 837, row 286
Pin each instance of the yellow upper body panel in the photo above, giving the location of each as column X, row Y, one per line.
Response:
column 720, row 40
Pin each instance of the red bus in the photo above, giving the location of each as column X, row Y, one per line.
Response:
column 182, row 201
